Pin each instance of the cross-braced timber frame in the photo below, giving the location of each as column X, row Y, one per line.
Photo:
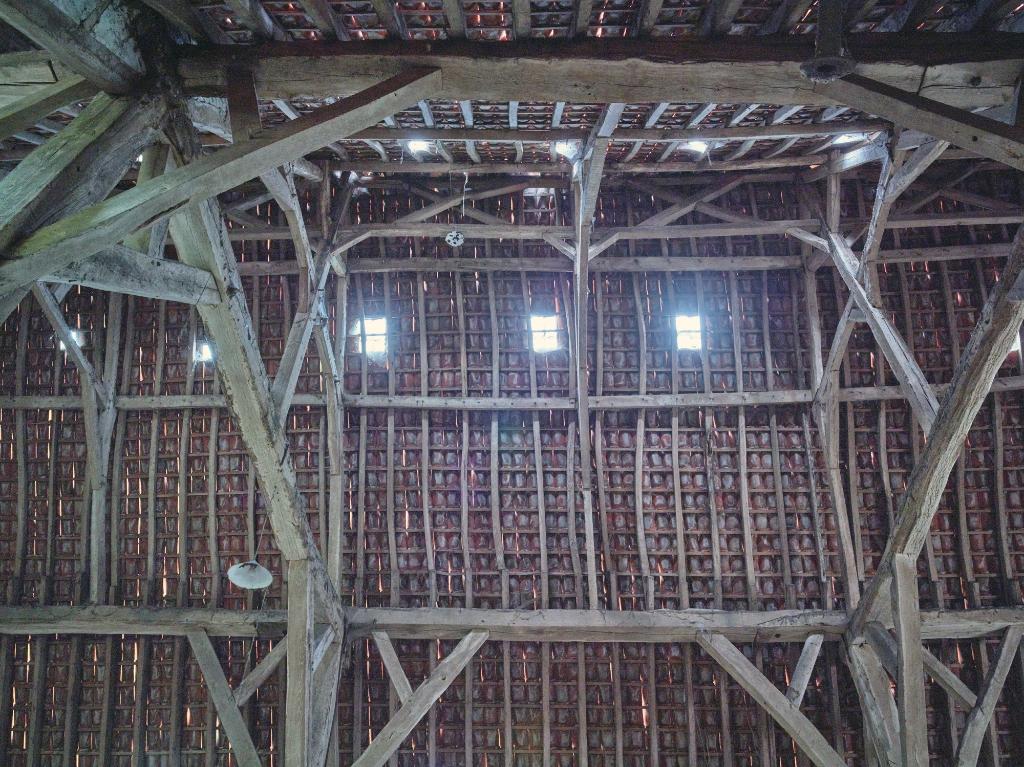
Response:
column 199, row 239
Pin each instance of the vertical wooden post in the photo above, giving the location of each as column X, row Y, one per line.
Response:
column 299, row 639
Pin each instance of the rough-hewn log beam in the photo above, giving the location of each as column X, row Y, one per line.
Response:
column 977, row 721
column 747, row 70
column 804, row 669
column 511, row 625
column 29, row 110
column 909, row 373
column 122, row 270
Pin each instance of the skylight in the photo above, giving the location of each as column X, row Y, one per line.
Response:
column 688, row 331
column 566, row 148
column 376, row 335
column 544, row 332
column 202, row 352
column 77, row 336
column 848, row 138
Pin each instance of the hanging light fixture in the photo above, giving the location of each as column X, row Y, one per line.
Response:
column 250, row 575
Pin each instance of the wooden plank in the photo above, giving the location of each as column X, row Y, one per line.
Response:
column 737, row 71
column 91, row 37
column 104, row 224
column 978, row 720
column 326, row 20
column 408, row 716
column 227, row 710
column 983, row 135
column 796, row 725
column 253, row 15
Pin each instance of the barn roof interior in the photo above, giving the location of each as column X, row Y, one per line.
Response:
column 590, row 383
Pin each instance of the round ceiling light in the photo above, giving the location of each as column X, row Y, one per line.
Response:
column 250, row 575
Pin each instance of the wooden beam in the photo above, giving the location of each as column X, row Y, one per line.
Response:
column 994, row 335
column 106, row 223
column 83, row 166
column 393, row 665
column 298, row 694
column 27, row 111
column 877, row 704
column 983, row 135
column 797, row 726
column 910, row 700
column 885, row 646
column 201, row 240
column 580, row 361
column 91, row 37
column 223, row 700
column 589, row 70
column 977, row 721
column 260, row 673
column 804, row 669
column 739, row 226
column 416, row 706
column 504, row 625
column 122, row 270
column 909, row 373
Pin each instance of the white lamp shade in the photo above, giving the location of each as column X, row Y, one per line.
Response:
column 250, row 575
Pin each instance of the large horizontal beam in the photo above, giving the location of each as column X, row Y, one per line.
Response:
column 753, row 228
column 718, row 133
column 587, row 71
column 503, row 625
column 625, row 263
column 415, row 402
